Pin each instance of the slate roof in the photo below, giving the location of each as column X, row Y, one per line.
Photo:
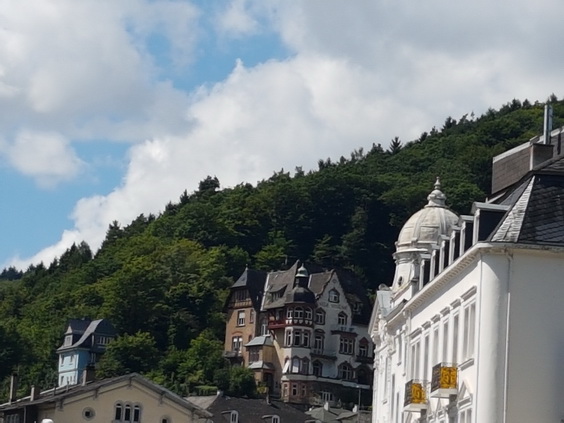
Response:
column 253, row 410
column 83, row 329
column 536, row 214
column 253, row 280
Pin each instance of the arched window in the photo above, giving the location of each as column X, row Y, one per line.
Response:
column 305, row 366
column 295, row 365
column 127, row 413
column 317, row 368
column 234, row 417
column 342, row 319
column 275, row 419
column 118, row 411
column 318, row 342
column 136, row 414
column 308, row 314
column 319, row 316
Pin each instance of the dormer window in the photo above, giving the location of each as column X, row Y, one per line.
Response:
column 333, row 296
column 234, row 417
column 68, row 340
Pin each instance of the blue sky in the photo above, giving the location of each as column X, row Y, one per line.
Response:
column 112, row 109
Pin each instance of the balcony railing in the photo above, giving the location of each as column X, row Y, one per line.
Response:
column 364, row 359
column 233, row 354
column 343, row 328
column 444, row 382
column 276, row 324
column 415, row 396
column 324, row 353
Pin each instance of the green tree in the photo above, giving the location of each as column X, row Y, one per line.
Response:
column 129, row 353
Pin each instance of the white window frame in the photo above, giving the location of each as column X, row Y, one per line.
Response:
column 469, row 332
column 241, row 318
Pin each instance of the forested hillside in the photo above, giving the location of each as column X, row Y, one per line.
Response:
column 162, row 280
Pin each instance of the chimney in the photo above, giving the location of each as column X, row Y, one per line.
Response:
column 34, row 393
column 547, row 128
column 88, row 374
column 13, row 388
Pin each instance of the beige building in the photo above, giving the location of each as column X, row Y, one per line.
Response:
column 130, row 398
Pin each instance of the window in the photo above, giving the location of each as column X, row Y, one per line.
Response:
column 465, row 416
column 294, row 389
column 298, row 313
column 455, row 325
column 241, row 318
column 415, row 357
column 165, row 420
column 297, row 337
column 253, row 354
column 305, row 367
column 118, row 412
column 88, row 413
column 289, row 337
column 306, row 339
column 333, row 296
column 346, row 371
column 252, row 316
column 127, row 413
column 318, row 343
column 275, row 419
column 435, row 346
column 426, row 365
column 469, row 332
column 346, row 345
column 136, row 413
column 363, row 349
column 263, row 326
column 342, row 319
column 289, row 313
column 236, row 343
column 68, row 340
column 317, row 368
column 445, row 341
column 357, row 307
column 319, row 317
column 304, row 390
column 308, row 314
column 326, row 396
column 234, row 417
column 295, row 365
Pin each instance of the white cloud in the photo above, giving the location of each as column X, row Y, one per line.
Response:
column 360, row 73
column 46, row 157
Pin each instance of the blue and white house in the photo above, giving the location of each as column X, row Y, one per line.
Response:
column 84, row 342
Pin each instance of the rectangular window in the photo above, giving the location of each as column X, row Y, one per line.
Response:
column 241, row 318
column 415, row 359
column 346, row 345
column 469, row 331
column 318, row 343
column 445, row 341
column 435, row 346
column 426, row 365
column 236, row 343
column 252, row 316
column 455, row 325
column 294, row 389
column 363, row 350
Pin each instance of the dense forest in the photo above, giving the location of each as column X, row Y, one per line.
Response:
column 162, row 280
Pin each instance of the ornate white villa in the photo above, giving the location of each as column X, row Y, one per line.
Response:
column 472, row 328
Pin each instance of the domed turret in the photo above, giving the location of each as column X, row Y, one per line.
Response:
column 301, row 293
column 425, row 228
column 422, row 231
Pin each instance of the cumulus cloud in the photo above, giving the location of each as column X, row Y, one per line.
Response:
column 46, row 157
column 358, row 74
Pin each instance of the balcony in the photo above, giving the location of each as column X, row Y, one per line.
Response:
column 235, row 354
column 343, row 328
column 277, row 324
column 444, row 382
column 324, row 353
column 415, row 396
column 364, row 359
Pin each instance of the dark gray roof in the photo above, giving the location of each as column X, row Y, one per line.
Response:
column 536, row 214
column 253, row 410
column 82, row 331
column 253, row 281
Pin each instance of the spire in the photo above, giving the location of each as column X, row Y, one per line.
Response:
column 436, row 198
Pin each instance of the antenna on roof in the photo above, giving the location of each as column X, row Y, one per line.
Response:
column 547, row 129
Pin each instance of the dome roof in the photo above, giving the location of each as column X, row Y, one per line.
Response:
column 427, row 225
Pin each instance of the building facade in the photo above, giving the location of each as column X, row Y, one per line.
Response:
column 470, row 330
column 305, row 336
column 83, row 344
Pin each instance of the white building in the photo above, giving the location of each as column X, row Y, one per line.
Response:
column 472, row 329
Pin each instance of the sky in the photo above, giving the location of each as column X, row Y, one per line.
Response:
column 110, row 109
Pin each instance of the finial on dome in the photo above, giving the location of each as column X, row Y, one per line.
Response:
column 436, row 198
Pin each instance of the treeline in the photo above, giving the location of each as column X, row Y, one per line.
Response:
column 163, row 280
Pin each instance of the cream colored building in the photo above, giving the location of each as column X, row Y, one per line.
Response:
column 130, row 398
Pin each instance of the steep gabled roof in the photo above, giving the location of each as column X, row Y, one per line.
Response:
column 253, row 281
column 86, row 329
